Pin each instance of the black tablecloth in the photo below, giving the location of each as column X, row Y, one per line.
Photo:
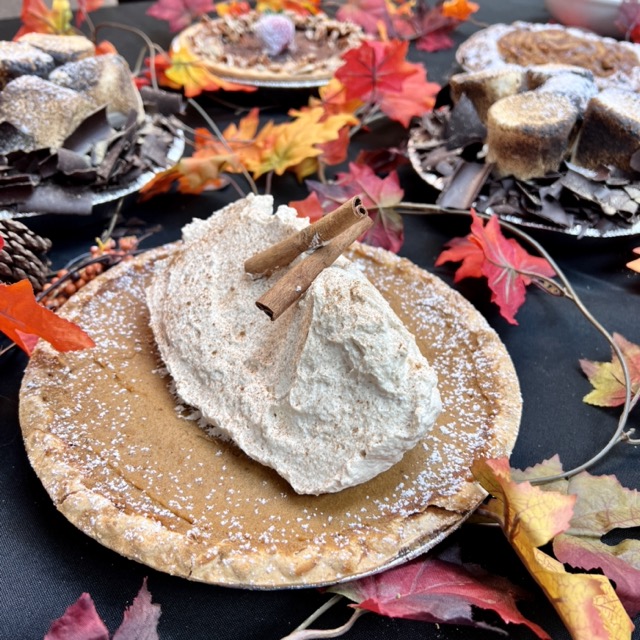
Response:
column 45, row 563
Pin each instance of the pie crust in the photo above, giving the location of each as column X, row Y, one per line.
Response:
column 137, row 473
column 228, row 48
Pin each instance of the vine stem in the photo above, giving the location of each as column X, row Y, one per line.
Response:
column 214, row 127
column 567, row 291
column 312, row 634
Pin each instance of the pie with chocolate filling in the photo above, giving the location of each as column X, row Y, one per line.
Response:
column 285, row 48
column 129, row 468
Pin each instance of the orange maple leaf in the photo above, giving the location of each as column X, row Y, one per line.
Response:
column 416, row 97
column 459, row 9
column 530, row 518
column 333, row 99
column 193, row 76
column 303, row 7
column 193, row 175
column 37, row 17
column 285, row 146
column 232, row 8
column 23, row 320
column 635, row 264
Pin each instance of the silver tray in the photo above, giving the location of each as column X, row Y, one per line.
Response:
column 108, row 195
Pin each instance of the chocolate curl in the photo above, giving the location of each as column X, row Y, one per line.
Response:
column 315, row 235
column 298, row 279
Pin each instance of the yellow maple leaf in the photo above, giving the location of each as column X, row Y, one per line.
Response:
column 530, row 518
column 459, row 9
column 194, row 76
column 333, row 99
column 285, row 146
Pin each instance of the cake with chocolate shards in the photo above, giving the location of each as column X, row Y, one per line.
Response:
column 271, row 48
column 72, row 124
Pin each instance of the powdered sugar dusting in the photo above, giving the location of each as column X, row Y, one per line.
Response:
column 114, row 418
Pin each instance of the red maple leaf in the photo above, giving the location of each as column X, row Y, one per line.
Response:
column 81, row 620
column 179, row 13
column 23, row 320
column 435, row 590
column 379, row 74
column 36, row 16
column 374, row 68
column 416, row 97
column 379, row 195
column 628, row 20
column 369, row 14
column 85, row 7
column 506, row 265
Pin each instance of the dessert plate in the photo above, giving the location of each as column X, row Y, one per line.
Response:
column 136, row 472
column 174, row 153
column 613, row 63
column 421, row 144
column 229, row 49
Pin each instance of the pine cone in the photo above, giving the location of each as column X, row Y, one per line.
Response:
column 23, row 255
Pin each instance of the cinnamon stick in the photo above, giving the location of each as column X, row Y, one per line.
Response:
column 315, row 235
column 299, row 278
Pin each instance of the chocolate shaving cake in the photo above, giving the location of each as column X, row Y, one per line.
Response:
column 72, row 125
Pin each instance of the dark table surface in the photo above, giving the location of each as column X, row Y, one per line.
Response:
column 45, row 563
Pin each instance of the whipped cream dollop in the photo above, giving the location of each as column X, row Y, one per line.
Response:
column 330, row 395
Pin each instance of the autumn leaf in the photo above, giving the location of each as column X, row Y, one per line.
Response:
column 85, row 7
column 286, row 145
column 602, row 505
column 635, row 264
column 459, row 9
column 81, row 620
column 506, row 265
column 189, row 73
column 620, row 563
column 333, row 99
column 416, row 98
column 23, row 320
column 179, row 13
column 628, row 20
column 440, row 591
column 232, row 8
column 37, row 17
column 159, row 64
column 368, row 14
column 374, row 68
column 607, row 378
column 379, row 195
column 530, row 518
column 378, row 74
column 140, row 620
column 302, row 7
column 193, row 175
column 310, row 207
